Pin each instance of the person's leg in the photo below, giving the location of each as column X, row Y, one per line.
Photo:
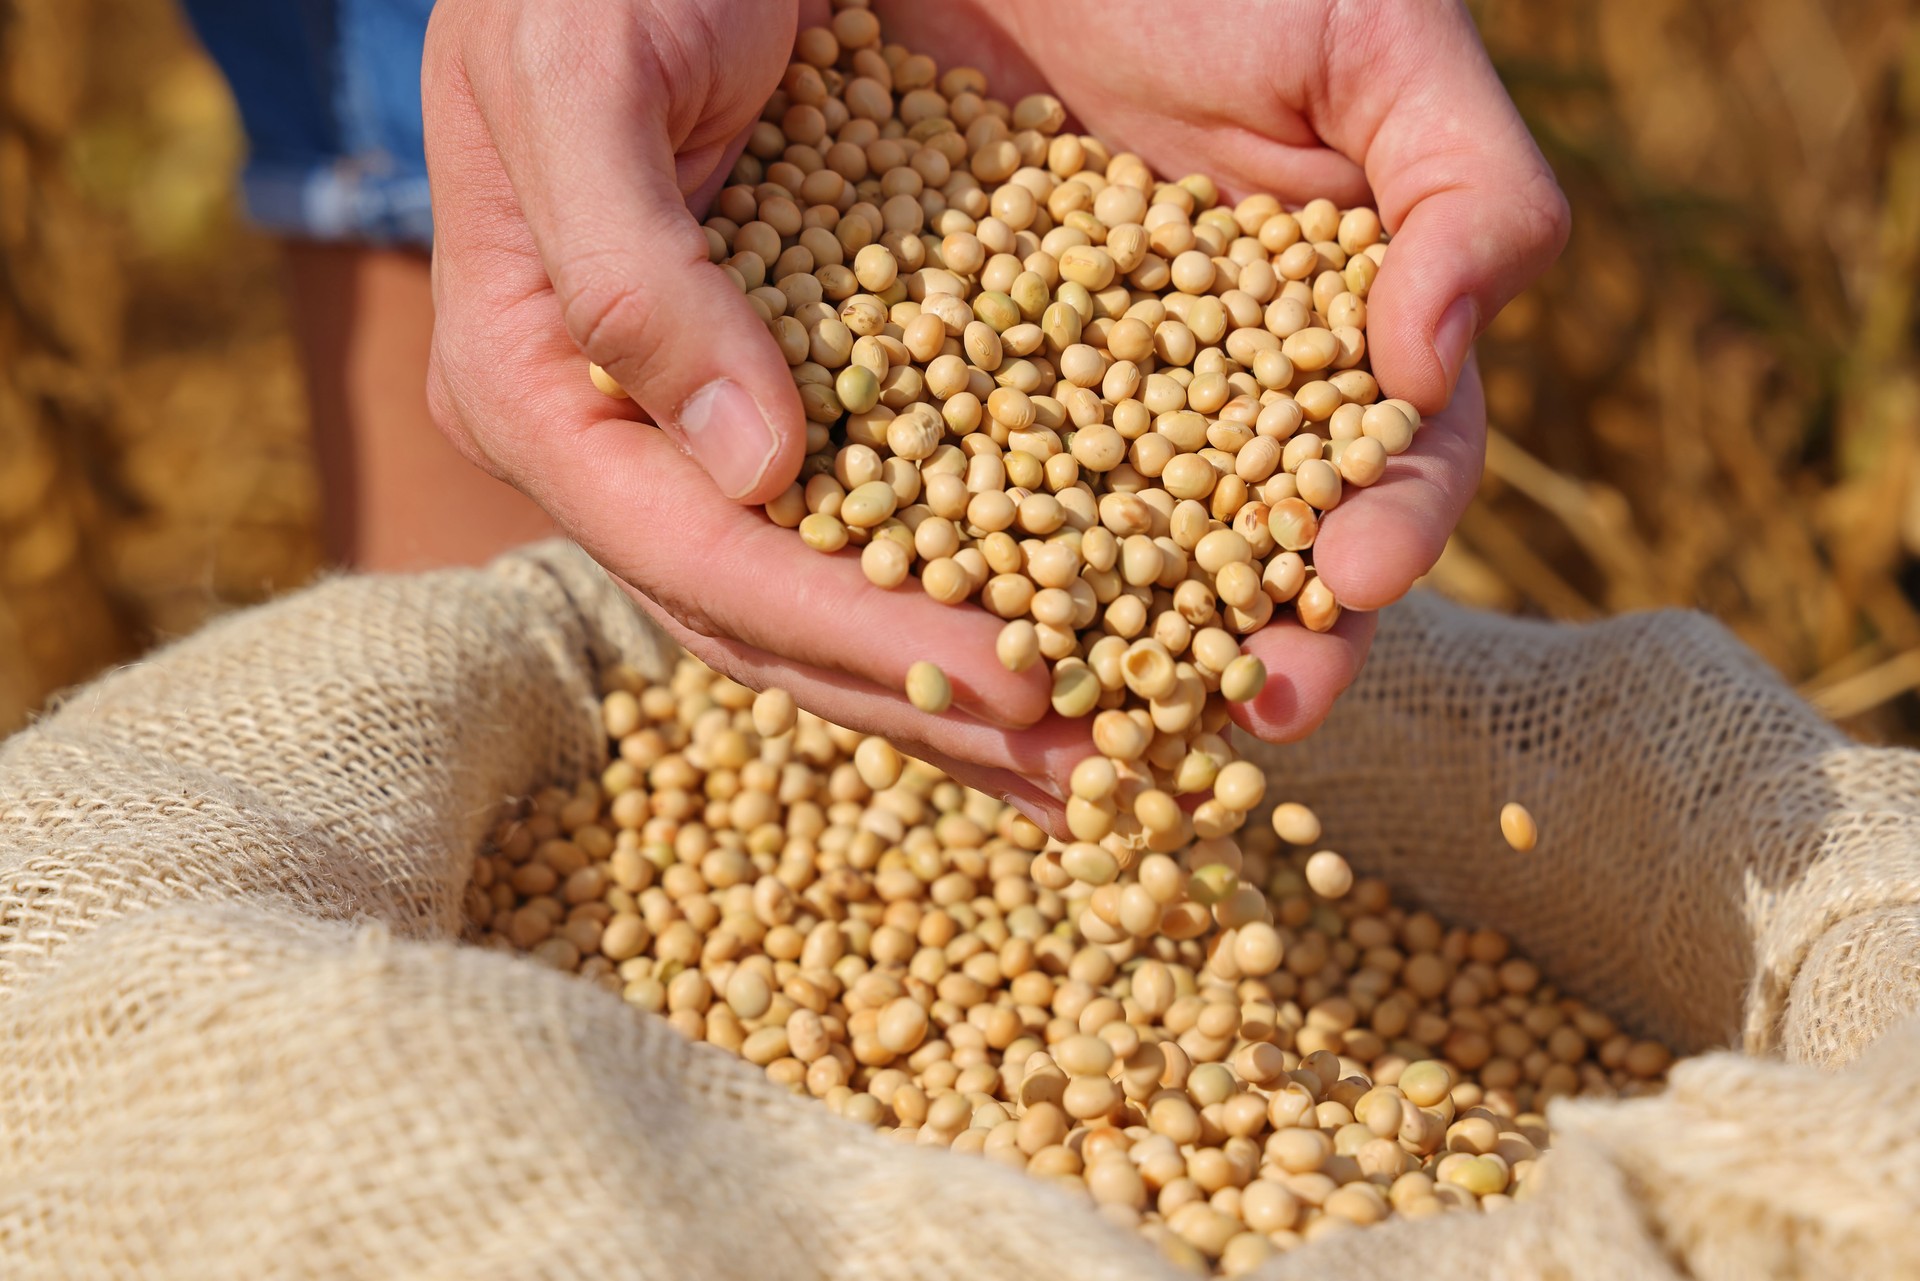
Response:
column 396, row 495
column 329, row 93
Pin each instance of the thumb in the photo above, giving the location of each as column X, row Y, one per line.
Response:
column 604, row 135
column 1475, row 211
column 678, row 334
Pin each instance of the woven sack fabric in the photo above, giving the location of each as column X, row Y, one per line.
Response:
column 238, row 1036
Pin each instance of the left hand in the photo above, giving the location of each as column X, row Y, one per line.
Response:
column 1391, row 103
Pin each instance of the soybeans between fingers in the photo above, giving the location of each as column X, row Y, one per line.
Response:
column 927, row 688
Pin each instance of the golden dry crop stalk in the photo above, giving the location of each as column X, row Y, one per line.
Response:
column 153, row 468
column 1108, row 409
column 1699, row 317
column 915, row 956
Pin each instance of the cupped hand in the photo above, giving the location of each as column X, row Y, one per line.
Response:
column 1391, row 103
column 567, row 141
column 570, row 143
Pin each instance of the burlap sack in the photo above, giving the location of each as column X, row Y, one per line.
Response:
column 238, row 1039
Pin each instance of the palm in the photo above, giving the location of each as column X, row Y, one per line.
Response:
column 1259, row 104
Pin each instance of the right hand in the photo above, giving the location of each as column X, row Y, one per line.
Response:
column 568, row 142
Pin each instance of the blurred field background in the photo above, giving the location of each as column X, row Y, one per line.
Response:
column 1712, row 401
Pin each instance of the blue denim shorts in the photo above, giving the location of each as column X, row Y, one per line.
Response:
column 329, row 93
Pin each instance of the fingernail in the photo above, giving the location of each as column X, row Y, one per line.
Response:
column 729, row 436
column 1454, row 335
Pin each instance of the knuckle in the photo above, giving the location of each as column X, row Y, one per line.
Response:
column 1546, row 209
column 694, row 617
column 443, row 404
column 543, row 47
column 718, row 657
column 617, row 305
column 610, row 317
column 450, row 410
column 687, row 625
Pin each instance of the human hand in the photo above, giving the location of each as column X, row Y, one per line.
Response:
column 566, row 141
column 556, row 131
column 1392, row 104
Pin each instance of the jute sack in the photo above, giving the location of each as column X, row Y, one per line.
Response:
column 237, row 1037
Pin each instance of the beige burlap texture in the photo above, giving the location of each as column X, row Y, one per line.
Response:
column 237, row 1037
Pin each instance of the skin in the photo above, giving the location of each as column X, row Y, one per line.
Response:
column 572, row 142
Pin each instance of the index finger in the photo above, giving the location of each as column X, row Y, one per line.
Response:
column 1373, row 546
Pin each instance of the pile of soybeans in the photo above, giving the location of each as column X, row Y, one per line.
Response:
column 1301, row 1056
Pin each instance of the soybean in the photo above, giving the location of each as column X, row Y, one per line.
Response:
column 921, row 959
